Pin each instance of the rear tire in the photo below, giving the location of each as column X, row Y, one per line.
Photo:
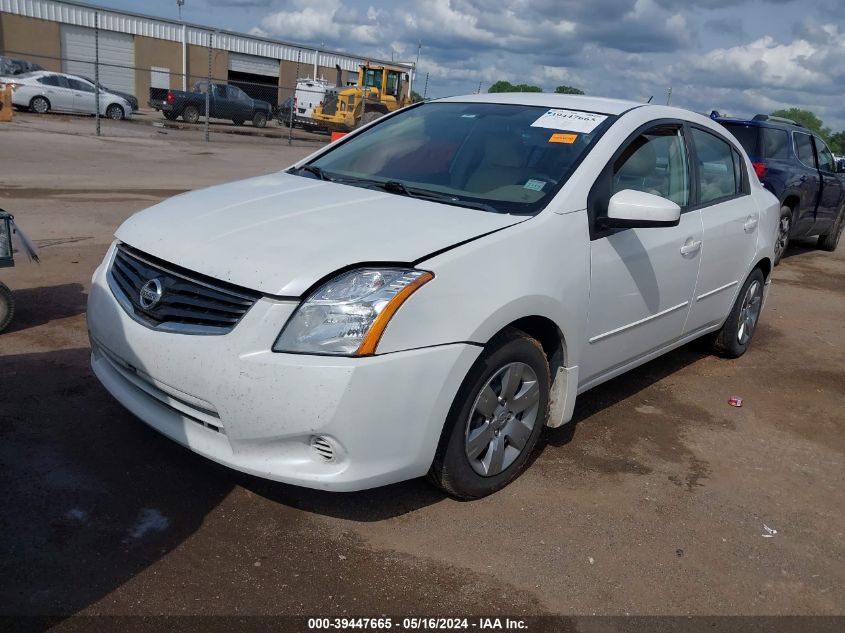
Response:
column 170, row 115
column 830, row 240
column 782, row 237
column 7, row 306
column 191, row 114
column 736, row 334
column 39, row 105
column 259, row 119
column 495, row 420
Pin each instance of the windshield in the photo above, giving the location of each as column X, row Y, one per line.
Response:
column 497, row 157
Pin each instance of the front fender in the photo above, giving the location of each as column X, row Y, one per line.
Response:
column 540, row 267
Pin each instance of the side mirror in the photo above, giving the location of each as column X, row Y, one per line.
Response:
column 840, row 166
column 633, row 209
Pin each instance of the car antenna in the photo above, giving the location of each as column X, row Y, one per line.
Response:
column 650, row 98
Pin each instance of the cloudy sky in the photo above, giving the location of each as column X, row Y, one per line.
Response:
column 738, row 56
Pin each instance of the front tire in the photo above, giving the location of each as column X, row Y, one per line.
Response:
column 782, row 237
column 115, row 112
column 495, row 420
column 39, row 105
column 830, row 240
column 734, row 338
column 191, row 114
column 170, row 115
column 259, row 119
column 7, row 306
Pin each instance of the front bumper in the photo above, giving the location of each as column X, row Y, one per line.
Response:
column 232, row 400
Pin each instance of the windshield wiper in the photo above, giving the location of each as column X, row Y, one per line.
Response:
column 396, row 186
column 313, row 169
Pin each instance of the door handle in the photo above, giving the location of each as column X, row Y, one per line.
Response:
column 691, row 247
column 804, row 178
column 750, row 224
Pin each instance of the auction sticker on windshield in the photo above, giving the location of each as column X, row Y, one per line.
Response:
column 570, row 120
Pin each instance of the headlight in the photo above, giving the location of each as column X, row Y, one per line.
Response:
column 347, row 315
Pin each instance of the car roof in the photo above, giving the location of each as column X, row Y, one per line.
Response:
column 772, row 123
column 549, row 100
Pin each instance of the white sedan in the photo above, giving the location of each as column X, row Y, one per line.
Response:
column 42, row 91
column 424, row 295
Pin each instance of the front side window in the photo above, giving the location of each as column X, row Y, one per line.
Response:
column 392, row 83
column 372, row 78
column 826, row 161
column 497, row 157
column 719, row 169
column 804, row 149
column 655, row 162
column 82, row 86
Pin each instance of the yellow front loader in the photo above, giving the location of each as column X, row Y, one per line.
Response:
column 381, row 89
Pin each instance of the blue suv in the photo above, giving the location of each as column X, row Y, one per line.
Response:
column 796, row 166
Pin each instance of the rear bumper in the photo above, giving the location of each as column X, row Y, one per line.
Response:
column 234, row 401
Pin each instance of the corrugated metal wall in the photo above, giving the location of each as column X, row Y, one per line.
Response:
column 83, row 15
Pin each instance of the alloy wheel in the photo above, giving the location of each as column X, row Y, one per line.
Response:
column 783, row 236
column 752, row 303
column 502, row 419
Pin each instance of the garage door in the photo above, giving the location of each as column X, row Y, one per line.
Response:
column 253, row 65
column 117, row 56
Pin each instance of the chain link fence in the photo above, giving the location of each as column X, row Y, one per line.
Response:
column 235, row 102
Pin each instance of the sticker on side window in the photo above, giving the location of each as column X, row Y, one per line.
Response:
column 534, row 185
column 570, row 121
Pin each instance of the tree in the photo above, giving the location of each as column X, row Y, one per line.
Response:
column 837, row 143
column 807, row 119
column 506, row 86
column 416, row 96
column 568, row 90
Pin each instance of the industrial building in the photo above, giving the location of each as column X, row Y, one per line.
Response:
column 138, row 51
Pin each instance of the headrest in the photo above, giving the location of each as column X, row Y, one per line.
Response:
column 505, row 151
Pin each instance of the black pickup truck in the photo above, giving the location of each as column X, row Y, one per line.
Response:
column 225, row 102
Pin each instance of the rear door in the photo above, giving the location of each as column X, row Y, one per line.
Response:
column 831, row 194
column 642, row 279
column 730, row 221
column 57, row 91
column 810, row 184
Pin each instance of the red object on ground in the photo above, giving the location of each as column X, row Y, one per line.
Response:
column 736, row 401
column 337, row 135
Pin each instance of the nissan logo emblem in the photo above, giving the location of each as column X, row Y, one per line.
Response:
column 150, row 294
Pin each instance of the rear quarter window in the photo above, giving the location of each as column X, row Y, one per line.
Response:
column 747, row 135
column 774, row 143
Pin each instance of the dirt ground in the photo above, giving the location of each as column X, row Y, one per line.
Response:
column 656, row 500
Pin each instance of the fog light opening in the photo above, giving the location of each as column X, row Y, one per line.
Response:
column 323, row 447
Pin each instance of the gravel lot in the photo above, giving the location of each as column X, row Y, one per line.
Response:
column 655, row 501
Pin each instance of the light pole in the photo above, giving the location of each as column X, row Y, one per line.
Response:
column 179, row 5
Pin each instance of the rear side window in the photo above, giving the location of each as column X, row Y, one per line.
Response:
column 719, row 170
column 804, row 149
column 49, row 80
column 774, row 143
column 747, row 135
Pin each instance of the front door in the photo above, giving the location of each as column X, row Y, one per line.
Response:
column 84, row 96
column 730, row 220
column 642, row 279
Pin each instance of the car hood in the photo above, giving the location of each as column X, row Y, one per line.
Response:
column 279, row 234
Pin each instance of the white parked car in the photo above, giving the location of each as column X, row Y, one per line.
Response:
column 42, row 91
column 424, row 295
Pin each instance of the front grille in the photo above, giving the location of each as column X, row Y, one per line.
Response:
column 175, row 300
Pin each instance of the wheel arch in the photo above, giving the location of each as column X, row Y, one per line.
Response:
column 765, row 266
